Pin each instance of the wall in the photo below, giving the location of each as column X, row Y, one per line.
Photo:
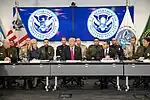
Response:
column 141, row 9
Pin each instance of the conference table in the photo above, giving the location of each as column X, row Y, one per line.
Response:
column 135, row 69
column 86, row 68
column 76, row 68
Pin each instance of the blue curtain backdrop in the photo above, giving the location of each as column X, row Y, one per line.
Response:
column 72, row 21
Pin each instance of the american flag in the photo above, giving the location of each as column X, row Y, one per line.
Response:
column 17, row 33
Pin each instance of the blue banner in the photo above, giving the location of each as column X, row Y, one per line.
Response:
column 86, row 23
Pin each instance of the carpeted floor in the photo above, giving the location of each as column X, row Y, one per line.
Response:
column 88, row 92
column 76, row 95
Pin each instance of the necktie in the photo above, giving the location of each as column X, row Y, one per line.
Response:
column 72, row 54
column 133, row 51
column 105, row 52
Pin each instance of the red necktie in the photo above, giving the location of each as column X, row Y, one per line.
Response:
column 72, row 54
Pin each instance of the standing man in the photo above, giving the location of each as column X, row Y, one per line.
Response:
column 46, row 51
column 118, row 49
column 93, row 51
column 83, row 48
column 130, row 51
column 60, row 49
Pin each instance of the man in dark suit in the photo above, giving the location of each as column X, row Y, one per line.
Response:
column 60, row 49
column 12, row 45
column 46, row 51
column 93, row 51
column 107, row 51
column 118, row 49
column 72, row 52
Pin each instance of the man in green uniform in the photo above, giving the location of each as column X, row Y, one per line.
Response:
column 93, row 51
column 46, row 51
column 144, row 51
column 7, row 53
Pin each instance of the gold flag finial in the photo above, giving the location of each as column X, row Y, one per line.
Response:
column 127, row 3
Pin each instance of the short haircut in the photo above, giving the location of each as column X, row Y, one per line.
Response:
column 147, row 39
column 72, row 39
column 63, row 38
column 96, row 39
column 108, row 42
column 133, row 37
column 46, row 39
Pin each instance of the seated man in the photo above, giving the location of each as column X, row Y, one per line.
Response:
column 93, row 51
column 72, row 52
column 7, row 53
column 83, row 48
column 12, row 45
column 46, row 51
column 23, row 50
column 107, row 51
column 60, row 49
column 118, row 49
column 143, row 51
column 131, row 49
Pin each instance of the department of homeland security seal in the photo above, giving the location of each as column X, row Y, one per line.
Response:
column 103, row 23
column 124, row 35
column 43, row 24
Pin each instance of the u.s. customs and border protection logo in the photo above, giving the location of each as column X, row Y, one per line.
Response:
column 103, row 23
column 43, row 24
column 124, row 35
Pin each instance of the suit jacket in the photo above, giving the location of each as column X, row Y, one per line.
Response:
column 33, row 54
column 11, row 53
column 59, row 50
column 118, row 49
column 93, row 52
column 77, row 53
column 83, row 50
column 49, row 55
column 128, row 51
column 111, row 53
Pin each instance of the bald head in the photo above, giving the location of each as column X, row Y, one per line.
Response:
column 6, row 43
column 114, row 41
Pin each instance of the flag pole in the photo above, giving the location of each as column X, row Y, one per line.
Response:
column 17, row 16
